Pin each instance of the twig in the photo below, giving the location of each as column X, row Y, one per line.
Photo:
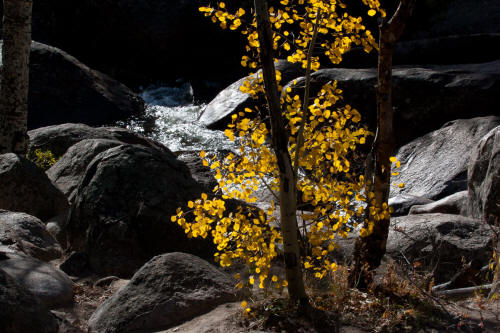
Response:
column 463, row 292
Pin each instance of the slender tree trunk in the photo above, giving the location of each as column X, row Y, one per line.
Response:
column 369, row 250
column 14, row 84
column 288, row 191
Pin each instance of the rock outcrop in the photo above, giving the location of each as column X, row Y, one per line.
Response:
column 440, row 241
column 168, row 290
column 139, row 41
column 435, row 165
column 453, row 204
column 63, row 90
column 484, row 178
column 58, row 138
column 425, row 97
column 21, row 311
column 201, row 173
column 402, row 203
column 123, row 205
column 217, row 114
column 69, row 170
column 27, row 234
column 26, row 188
column 49, row 284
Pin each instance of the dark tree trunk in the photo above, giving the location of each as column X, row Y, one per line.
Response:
column 369, row 250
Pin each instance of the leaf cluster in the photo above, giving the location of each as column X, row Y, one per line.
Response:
column 322, row 138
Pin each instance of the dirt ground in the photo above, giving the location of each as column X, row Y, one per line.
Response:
column 474, row 315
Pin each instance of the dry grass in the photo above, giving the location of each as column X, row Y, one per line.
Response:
column 394, row 303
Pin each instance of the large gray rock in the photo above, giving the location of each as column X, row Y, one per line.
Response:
column 439, row 240
column 166, row 291
column 484, row 178
column 217, row 114
column 401, row 204
column 439, row 32
column 123, row 205
column 58, row 138
column 69, row 170
column 49, row 284
column 68, row 322
column 63, row 90
column 21, row 311
column 435, row 165
column 425, row 97
column 453, row 204
column 219, row 320
column 26, row 188
column 136, row 39
column 468, row 48
column 201, row 173
column 28, row 234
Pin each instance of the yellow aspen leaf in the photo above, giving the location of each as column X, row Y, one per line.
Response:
column 372, row 12
column 240, row 12
column 229, row 134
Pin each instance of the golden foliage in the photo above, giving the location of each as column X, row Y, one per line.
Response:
column 43, row 159
column 331, row 133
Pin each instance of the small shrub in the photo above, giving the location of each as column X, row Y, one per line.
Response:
column 43, row 159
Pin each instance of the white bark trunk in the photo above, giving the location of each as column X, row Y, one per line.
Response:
column 14, row 85
column 288, row 191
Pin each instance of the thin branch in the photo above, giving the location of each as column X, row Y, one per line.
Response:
column 300, row 135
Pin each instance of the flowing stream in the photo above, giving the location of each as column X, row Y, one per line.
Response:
column 171, row 118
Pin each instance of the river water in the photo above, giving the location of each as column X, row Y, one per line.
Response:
column 171, row 118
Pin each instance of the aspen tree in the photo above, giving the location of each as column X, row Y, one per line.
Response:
column 299, row 147
column 16, row 34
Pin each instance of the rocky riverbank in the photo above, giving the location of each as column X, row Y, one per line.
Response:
column 88, row 244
